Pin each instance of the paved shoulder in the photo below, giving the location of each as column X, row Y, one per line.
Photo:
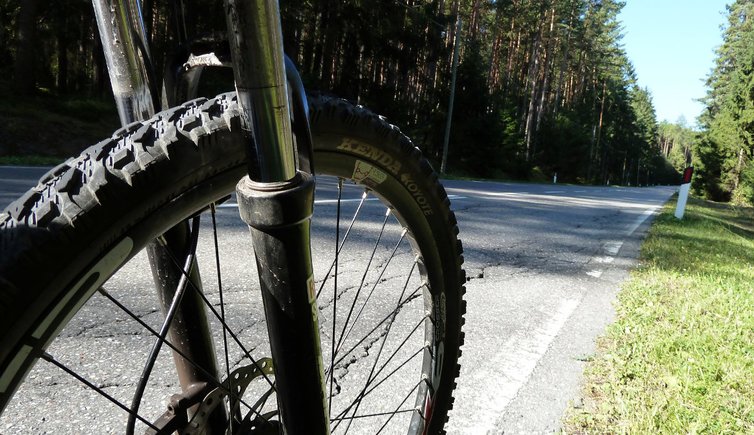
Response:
column 15, row 180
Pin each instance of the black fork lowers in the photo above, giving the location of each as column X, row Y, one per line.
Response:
column 278, row 215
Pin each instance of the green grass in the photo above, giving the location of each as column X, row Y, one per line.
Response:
column 32, row 160
column 51, row 125
column 680, row 356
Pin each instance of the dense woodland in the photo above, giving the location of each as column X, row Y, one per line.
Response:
column 724, row 149
column 543, row 86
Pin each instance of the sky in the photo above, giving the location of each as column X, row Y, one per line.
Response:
column 671, row 44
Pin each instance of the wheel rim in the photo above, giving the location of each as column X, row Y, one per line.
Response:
column 351, row 415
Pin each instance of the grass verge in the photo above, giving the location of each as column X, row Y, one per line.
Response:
column 50, row 125
column 32, row 160
column 680, row 356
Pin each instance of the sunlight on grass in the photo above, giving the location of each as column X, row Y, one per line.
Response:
column 680, row 356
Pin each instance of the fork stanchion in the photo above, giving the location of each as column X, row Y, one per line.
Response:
column 256, row 47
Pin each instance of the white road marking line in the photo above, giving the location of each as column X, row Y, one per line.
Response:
column 544, row 197
column 335, row 201
column 330, row 201
column 613, row 247
column 640, row 220
column 595, row 273
column 554, row 191
column 513, row 363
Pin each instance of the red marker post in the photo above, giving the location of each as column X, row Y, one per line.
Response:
column 683, row 192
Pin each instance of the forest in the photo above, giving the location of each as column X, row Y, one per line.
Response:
column 724, row 147
column 543, row 87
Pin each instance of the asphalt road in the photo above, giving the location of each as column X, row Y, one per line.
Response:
column 544, row 264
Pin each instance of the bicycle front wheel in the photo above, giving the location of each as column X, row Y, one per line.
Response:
column 387, row 271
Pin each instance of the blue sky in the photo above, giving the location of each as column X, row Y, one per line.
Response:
column 671, row 44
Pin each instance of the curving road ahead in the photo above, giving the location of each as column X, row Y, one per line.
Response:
column 544, row 263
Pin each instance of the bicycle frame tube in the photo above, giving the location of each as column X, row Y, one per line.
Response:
column 124, row 43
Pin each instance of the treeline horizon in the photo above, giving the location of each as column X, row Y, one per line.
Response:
column 543, row 86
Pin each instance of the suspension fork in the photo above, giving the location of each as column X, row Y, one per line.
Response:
column 132, row 77
column 276, row 201
column 124, row 42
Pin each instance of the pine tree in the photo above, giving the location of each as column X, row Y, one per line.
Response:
column 726, row 150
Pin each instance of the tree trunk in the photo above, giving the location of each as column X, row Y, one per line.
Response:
column 533, row 74
column 564, row 62
column 62, row 37
column 474, row 20
column 25, row 79
column 739, row 166
column 549, row 49
column 594, row 147
column 497, row 49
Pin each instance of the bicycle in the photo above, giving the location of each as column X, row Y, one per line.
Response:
column 146, row 189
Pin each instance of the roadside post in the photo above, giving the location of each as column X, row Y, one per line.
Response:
column 683, row 192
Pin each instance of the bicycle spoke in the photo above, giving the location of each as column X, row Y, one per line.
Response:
column 375, row 386
column 390, row 414
column 259, row 404
column 364, row 391
column 400, row 404
column 180, row 290
column 376, row 414
column 218, row 317
column 345, row 237
column 175, row 349
column 389, row 328
column 50, row 359
column 222, row 310
column 358, row 291
column 341, row 417
column 371, row 291
column 384, row 340
column 385, row 319
column 395, row 352
column 221, row 317
column 335, row 290
column 246, row 352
